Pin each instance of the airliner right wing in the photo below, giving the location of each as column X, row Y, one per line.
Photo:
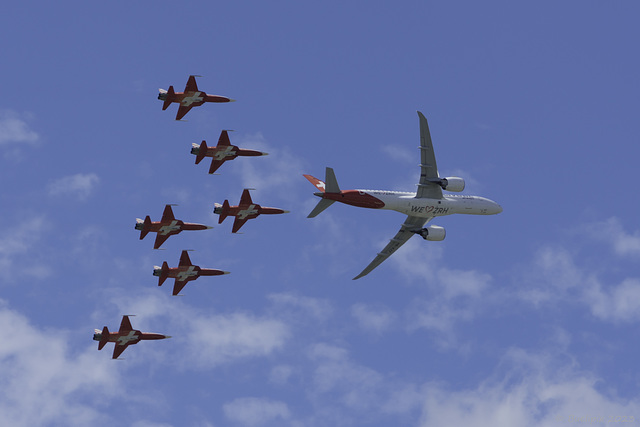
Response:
column 411, row 224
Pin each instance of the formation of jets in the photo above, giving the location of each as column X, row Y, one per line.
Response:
column 168, row 226
column 420, row 207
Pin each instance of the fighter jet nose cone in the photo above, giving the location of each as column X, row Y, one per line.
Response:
column 232, row 100
column 167, row 336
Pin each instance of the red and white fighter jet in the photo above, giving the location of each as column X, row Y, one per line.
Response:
column 420, row 207
column 167, row 226
column 183, row 273
column 125, row 336
column 222, row 152
column 246, row 210
column 191, row 97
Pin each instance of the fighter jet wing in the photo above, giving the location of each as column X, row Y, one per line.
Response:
column 125, row 325
column 178, row 285
column 238, row 223
column 245, row 199
column 160, row 239
column 191, row 85
column 224, row 141
column 182, row 111
column 118, row 349
column 167, row 215
column 411, row 224
column 428, row 165
column 215, row 164
column 185, row 261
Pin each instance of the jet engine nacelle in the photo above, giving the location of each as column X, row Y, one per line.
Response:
column 433, row 233
column 452, row 183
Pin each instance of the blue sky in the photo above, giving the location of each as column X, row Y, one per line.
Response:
column 525, row 318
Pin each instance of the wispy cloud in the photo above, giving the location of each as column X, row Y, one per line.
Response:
column 612, row 231
column 255, row 412
column 556, row 277
column 19, row 240
column 78, row 185
column 531, row 392
column 14, row 129
column 210, row 340
column 373, row 318
column 36, row 371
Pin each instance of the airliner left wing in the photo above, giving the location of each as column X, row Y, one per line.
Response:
column 408, row 229
column 427, row 188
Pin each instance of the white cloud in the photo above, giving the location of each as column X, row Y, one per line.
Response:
column 373, row 318
column 254, row 411
column 452, row 296
column 531, row 393
column 401, row 153
column 13, row 129
column 611, row 230
column 222, row 338
column 208, row 340
column 19, row 240
column 359, row 387
column 281, row 374
column 79, row 185
column 318, row 309
column 276, row 174
column 557, row 278
column 40, row 383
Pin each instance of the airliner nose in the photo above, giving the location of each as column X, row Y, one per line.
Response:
column 498, row 208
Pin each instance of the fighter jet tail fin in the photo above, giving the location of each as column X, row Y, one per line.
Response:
column 222, row 210
column 322, row 205
column 146, row 227
column 104, row 339
column 169, row 96
column 164, row 273
column 202, row 152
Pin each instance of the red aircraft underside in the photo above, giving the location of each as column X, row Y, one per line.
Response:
column 125, row 337
column 222, row 152
column 191, row 97
column 245, row 211
column 184, row 273
column 166, row 227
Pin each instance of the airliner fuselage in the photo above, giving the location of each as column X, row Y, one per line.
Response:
column 408, row 204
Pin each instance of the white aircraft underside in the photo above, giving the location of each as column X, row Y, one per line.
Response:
column 420, row 207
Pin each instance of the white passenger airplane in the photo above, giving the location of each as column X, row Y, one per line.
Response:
column 428, row 202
